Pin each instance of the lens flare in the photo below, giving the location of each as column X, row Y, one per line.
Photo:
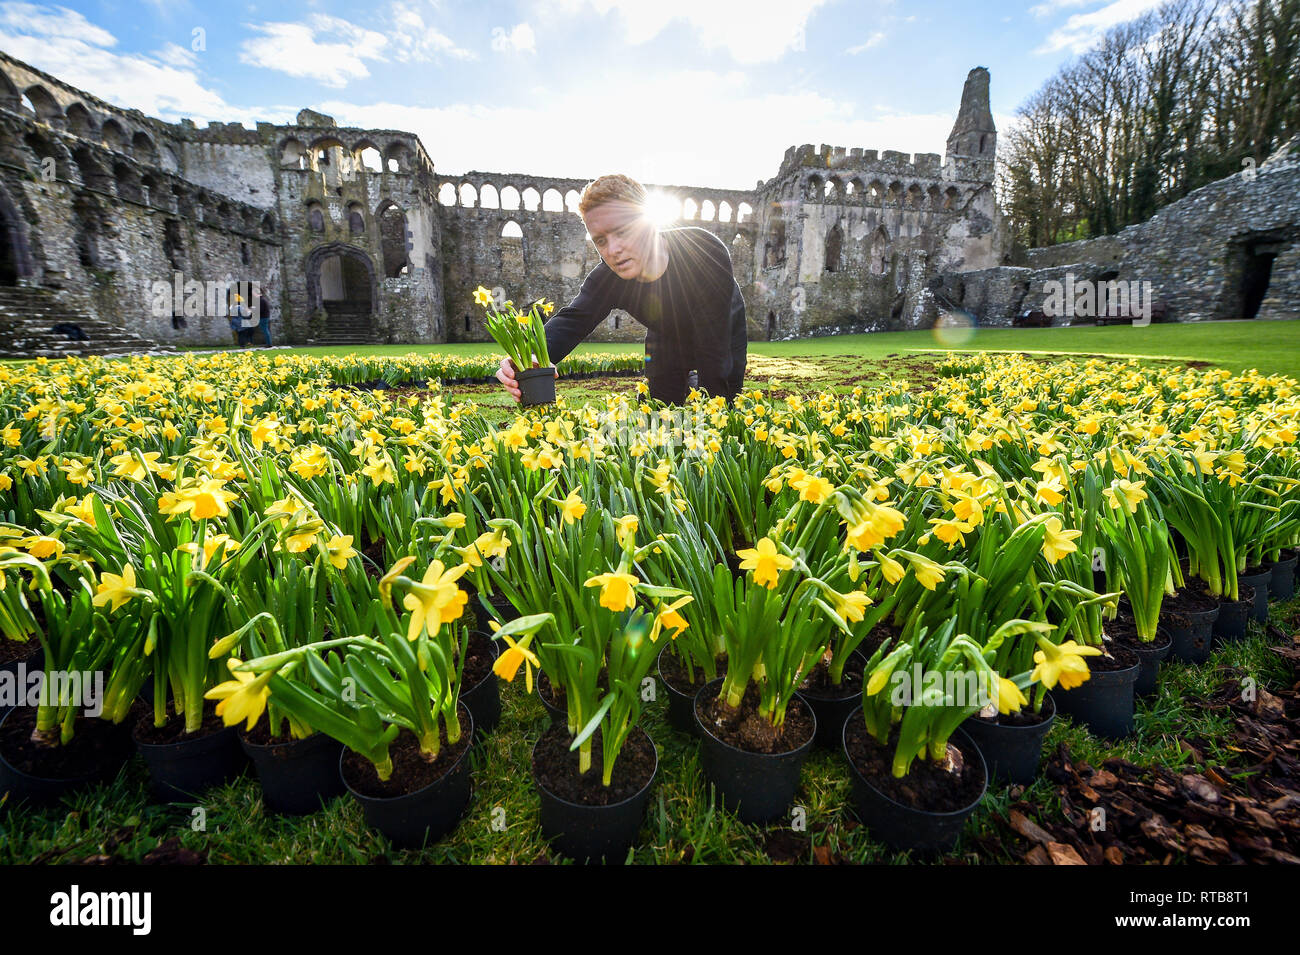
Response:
column 663, row 209
column 954, row 328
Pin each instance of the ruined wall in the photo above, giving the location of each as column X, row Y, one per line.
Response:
column 1196, row 253
column 99, row 202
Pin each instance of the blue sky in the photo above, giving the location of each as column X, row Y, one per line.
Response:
column 700, row 92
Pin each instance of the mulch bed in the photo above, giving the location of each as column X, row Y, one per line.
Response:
column 1246, row 810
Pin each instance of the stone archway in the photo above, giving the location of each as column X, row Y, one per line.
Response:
column 15, row 254
column 341, row 281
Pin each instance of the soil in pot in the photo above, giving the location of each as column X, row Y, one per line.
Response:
column 1104, row 702
column 681, row 690
column 411, row 771
column 422, row 800
column 832, row 704
column 182, row 764
column 925, row 810
column 552, row 698
column 297, row 775
column 43, row 773
column 1189, row 616
column 582, row 818
column 1123, row 632
column 754, row 770
column 1012, row 743
column 29, row 655
column 743, row 727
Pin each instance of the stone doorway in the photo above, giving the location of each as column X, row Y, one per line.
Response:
column 1257, row 270
column 341, row 282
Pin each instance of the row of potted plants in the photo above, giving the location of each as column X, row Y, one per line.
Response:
column 826, row 544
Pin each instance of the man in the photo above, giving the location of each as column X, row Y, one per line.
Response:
column 675, row 282
column 264, row 316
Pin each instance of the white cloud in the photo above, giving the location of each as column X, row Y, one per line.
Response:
column 413, row 39
column 328, row 49
column 1082, row 31
column 874, row 40
column 1048, row 7
column 752, row 31
column 665, row 130
column 519, row 40
column 64, row 43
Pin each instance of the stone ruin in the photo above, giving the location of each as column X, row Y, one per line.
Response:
column 352, row 235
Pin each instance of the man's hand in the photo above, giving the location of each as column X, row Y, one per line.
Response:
column 506, row 375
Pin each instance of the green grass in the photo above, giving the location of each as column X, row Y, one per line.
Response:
column 1270, row 347
column 119, row 821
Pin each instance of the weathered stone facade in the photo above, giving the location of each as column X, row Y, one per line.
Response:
column 353, row 236
column 1228, row 250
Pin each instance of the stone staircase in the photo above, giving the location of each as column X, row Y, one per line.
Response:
column 27, row 319
column 349, row 325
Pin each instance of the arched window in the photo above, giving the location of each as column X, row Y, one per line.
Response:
column 38, row 101
column 744, row 213
column 143, row 148
column 80, row 122
column 690, row 209
column 488, row 198
column 552, row 201
column 774, row 242
column 113, row 135
column 447, row 194
column 371, row 159
column 724, row 211
column 707, row 211
column 571, row 199
column 511, row 230
column 834, row 245
column 356, row 219
column 878, row 252
column 509, row 197
column 532, row 199
column 315, row 218
column 394, row 240
column 468, row 195
column 293, row 156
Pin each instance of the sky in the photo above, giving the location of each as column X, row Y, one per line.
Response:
column 683, row 92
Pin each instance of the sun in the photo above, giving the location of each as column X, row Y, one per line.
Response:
column 663, row 209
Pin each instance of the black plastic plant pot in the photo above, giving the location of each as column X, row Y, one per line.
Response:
column 1192, row 634
column 1233, row 614
column 17, row 785
column 903, row 827
column 29, row 664
column 1011, row 753
column 1150, row 656
column 1281, row 585
column 1103, row 703
column 757, row 787
column 503, row 611
column 426, row 815
column 558, row 714
column 536, row 386
column 681, row 706
column 179, row 771
column 1260, row 584
column 297, row 776
column 483, row 700
column 832, row 709
column 594, row 833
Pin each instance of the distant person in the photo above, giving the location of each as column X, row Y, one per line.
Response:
column 676, row 282
column 264, row 318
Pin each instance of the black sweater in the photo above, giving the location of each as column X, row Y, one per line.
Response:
column 694, row 311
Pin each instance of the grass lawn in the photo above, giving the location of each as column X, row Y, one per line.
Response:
column 1270, row 347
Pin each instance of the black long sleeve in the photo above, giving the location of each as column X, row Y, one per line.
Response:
column 567, row 328
column 713, row 323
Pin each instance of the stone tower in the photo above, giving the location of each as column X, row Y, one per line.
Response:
column 973, row 142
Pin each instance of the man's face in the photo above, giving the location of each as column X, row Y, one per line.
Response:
column 623, row 235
